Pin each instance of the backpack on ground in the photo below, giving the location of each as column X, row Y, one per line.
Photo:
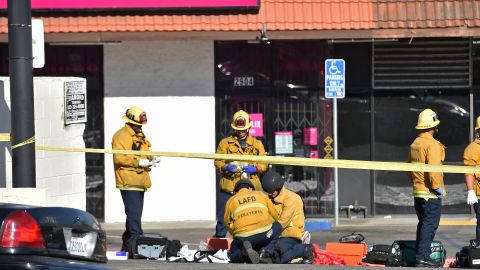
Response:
column 352, row 238
column 469, row 256
column 383, row 254
column 407, row 250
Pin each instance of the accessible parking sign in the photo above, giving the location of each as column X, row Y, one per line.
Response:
column 334, row 78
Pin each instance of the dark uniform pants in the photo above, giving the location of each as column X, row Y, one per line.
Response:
column 133, row 202
column 258, row 242
column 290, row 248
column 222, row 198
column 476, row 206
column 428, row 213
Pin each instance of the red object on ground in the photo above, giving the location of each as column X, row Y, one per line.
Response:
column 450, row 263
column 219, row 243
column 325, row 258
column 352, row 253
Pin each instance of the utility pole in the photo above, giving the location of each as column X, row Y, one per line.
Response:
column 21, row 93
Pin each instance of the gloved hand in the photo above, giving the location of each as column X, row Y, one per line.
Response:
column 155, row 161
column 249, row 169
column 231, row 168
column 144, row 163
column 439, row 191
column 471, row 197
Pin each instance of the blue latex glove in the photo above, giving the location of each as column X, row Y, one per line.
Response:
column 249, row 169
column 230, row 168
column 439, row 191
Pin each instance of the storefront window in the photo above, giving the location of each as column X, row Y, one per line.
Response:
column 354, row 123
column 298, row 64
column 396, row 114
column 240, row 65
column 476, row 79
column 285, row 93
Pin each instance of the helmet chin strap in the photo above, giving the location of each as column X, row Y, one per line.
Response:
column 136, row 128
column 246, row 135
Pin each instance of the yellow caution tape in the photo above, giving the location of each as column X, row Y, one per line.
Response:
column 5, row 137
column 31, row 140
column 296, row 161
column 293, row 161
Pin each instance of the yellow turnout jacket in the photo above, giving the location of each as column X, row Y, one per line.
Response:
column 248, row 213
column 425, row 149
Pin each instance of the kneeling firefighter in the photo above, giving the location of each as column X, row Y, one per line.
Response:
column 292, row 219
column 250, row 219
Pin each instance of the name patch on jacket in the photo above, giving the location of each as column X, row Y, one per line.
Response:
column 246, row 214
column 247, row 200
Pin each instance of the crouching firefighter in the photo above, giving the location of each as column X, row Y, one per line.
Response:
column 292, row 219
column 250, row 219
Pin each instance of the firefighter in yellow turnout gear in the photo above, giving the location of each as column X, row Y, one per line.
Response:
column 240, row 143
column 292, row 219
column 428, row 187
column 132, row 171
column 250, row 219
column 471, row 157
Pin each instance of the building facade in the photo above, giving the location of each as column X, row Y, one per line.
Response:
column 191, row 68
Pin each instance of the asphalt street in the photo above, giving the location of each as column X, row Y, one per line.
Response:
column 454, row 232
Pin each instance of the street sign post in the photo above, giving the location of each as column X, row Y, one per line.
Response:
column 335, row 89
column 334, row 78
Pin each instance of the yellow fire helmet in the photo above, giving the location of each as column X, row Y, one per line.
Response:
column 427, row 119
column 241, row 121
column 135, row 116
column 477, row 123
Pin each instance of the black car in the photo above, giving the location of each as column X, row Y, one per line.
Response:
column 34, row 237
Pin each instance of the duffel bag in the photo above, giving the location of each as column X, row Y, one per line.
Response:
column 407, row 248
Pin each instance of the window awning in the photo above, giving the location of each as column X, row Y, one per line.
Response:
column 390, row 18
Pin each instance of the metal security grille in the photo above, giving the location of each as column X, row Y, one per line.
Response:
column 422, row 64
column 289, row 112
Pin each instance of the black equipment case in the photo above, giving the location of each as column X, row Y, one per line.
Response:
column 147, row 246
column 468, row 257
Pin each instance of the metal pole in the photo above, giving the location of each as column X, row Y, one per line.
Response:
column 335, row 156
column 21, row 92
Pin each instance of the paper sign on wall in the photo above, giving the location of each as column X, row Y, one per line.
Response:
column 75, row 102
column 283, row 142
column 257, row 124
column 310, row 136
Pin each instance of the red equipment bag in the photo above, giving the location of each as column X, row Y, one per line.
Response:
column 325, row 258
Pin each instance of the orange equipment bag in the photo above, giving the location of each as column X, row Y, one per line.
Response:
column 352, row 253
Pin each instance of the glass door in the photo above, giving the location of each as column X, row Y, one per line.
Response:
column 281, row 85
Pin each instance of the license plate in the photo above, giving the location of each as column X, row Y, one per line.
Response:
column 80, row 244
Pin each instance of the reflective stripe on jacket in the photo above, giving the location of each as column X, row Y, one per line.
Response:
column 248, row 213
column 426, row 150
column 471, row 157
column 231, row 145
column 128, row 175
column 291, row 216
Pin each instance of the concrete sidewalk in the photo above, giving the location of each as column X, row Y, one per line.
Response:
column 454, row 232
column 393, row 220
